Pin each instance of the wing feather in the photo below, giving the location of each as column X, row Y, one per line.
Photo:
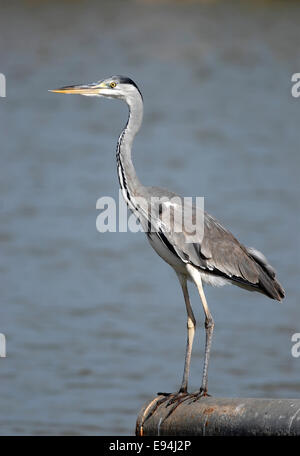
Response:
column 214, row 249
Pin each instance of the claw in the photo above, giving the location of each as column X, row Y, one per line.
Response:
column 156, row 405
column 170, row 399
column 178, row 399
column 199, row 394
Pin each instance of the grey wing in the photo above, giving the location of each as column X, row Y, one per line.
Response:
column 216, row 251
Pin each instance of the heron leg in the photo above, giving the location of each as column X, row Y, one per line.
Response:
column 182, row 395
column 209, row 326
column 191, row 326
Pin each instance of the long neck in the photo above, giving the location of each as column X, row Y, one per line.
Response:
column 129, row 182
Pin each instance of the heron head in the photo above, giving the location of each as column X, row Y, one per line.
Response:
column 120, row 87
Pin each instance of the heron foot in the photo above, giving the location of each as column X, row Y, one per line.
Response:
column 157, row 404
column 171, row 399
column 175, row 400
column 201, row 393
column 177, row 397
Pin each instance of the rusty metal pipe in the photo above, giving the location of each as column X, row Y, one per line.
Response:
column 222, row 417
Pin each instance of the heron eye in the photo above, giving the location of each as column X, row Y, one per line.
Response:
column 113, row 85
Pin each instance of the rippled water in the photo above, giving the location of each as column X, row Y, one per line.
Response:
column 95, row 323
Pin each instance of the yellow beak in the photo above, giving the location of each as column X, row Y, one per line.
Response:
column 86, row 89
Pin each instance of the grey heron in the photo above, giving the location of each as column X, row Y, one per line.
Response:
column 216, row 257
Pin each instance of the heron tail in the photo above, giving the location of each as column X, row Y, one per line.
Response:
column 267, row 277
